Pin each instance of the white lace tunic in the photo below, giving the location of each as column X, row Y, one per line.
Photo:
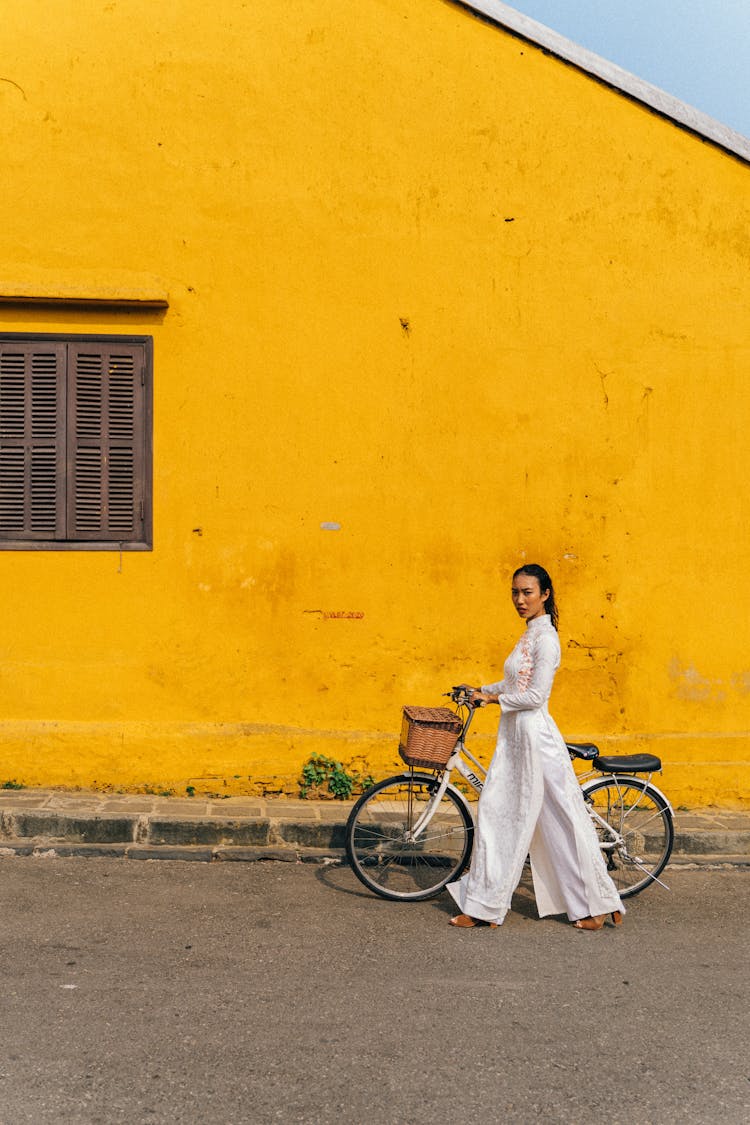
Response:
column 532, row 803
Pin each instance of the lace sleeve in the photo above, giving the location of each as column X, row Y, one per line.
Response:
column 536, row 683
column 494, row 688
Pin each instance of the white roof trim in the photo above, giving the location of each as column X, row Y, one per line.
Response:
column 666, row 105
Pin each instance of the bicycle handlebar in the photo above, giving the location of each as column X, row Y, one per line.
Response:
column 461, row 695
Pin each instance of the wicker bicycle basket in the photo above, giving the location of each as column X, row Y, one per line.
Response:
column 428, row 736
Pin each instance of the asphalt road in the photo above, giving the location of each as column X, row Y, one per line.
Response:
column 231, row 993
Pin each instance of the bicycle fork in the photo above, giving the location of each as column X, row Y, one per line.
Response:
column 455, row 762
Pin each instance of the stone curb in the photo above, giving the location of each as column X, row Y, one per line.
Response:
column 162, row 831
column 711, row 842
column 27, row 830
column 54, row 849
column 723, row 859
column 46, row 849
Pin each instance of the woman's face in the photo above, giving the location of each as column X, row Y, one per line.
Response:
column 528, row 597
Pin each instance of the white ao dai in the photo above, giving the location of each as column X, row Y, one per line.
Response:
column 532, row 803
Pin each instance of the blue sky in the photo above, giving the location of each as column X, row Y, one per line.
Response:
column 697, row 50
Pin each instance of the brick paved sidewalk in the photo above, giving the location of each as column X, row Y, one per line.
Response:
column 77, row 823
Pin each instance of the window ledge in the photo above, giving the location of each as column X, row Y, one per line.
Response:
column 114, row 298
column 73, row 545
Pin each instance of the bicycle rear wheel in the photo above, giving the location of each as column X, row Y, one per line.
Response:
column 642, row 817
column 382, row 846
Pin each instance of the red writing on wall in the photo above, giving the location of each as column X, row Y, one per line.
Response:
column 346, row 614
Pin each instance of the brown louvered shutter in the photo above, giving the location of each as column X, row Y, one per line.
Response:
column 32, row 440
column 106, row 478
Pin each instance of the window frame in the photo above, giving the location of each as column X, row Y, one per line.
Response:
column 144, row 541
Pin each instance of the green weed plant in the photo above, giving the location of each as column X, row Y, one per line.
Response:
column 323, row 776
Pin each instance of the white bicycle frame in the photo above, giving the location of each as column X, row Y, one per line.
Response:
column 613, row 839
column 455, row 762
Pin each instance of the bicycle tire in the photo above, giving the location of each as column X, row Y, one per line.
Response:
column 378, row 845
column 642, row 816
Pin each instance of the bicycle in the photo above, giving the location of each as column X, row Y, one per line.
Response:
column 409, row 835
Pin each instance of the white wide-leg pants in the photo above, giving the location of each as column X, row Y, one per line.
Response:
column 532, row 805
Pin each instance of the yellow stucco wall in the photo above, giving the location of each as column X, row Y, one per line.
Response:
column 426, row 283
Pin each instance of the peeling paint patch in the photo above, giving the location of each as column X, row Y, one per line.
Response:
column 691, row 684
column 330, row 525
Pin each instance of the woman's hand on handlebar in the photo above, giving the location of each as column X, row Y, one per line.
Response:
column 465, row 693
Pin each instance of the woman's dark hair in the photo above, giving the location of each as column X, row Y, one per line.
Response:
column 545, row 583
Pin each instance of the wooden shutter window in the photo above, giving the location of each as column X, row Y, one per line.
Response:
column 105, row 444
column 75, row 441
column 31, row 441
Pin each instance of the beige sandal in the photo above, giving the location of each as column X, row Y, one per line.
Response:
column 465, row 922
column 597, row 921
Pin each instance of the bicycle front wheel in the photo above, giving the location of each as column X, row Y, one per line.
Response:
column 637, row 850
column 399, row 852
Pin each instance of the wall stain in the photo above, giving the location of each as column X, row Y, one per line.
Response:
column 690, row 684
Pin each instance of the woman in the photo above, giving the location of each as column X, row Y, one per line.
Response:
column 532, row 803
